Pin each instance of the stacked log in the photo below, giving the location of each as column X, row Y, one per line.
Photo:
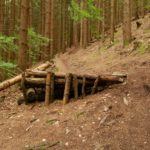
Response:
column 71, row 85
column 18, row 78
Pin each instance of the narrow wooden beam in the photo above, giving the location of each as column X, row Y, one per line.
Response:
column 52, row 87
column 47, row 88
column 23, row 87
column 112, row 78
column 94, row 88
column 83, row 86
column 67, row 88
column 75, row 86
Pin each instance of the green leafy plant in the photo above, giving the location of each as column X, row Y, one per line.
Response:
column 90, row 12
column 7, row 43
column 143, row 48
column 35, row 42
column 8, row 68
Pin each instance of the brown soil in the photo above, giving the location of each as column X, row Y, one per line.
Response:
column 115, row 119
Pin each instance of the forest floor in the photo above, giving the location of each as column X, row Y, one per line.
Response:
column 117, row 118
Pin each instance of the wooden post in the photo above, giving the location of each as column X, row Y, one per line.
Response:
column 67, row 88
column 52, row 87
column 95, row 85
column 24, row 90
column 75, row 86
column 83, row 86
column 47, row 88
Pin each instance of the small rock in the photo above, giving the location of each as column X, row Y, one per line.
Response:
column 106, row 108
column 82, row 127
column 10, row 137
column 99, row 118
column 27, row 146
column 43, row 140
column 67, row 131
column 57, row 123
column 145, row 142
column 103, row 119
column 38, row 120
column 126, row 102
column 27, row 129
column 80, row 135
column 66, row 144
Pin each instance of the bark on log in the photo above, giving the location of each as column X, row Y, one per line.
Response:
column 30, row 95
column 83, row 86
column 52, row 87
column 41, row 81
column 67, row 88
column 95, row 85
column 24, row 90
column 17, row 79
column 75, row 86
column 47, row 89
column 111, row 78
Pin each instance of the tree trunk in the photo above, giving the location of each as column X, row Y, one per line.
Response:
column 23, row 55
column 2, row 4
column 112, row 19
column 127, row 22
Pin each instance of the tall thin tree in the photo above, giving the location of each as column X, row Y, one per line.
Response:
column 23, row 41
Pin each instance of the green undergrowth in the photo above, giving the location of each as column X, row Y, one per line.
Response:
column 143, row 48
column 8, row 69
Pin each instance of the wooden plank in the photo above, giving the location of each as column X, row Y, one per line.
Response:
column 111, row 78
column 95, row 85
column 75, row 86
column 67, row 88
column 52, row 87
column 83, row 86
column 47, row 88
column 24, row 90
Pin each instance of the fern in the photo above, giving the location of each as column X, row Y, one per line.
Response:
column 8, row 68
column 8, row 43
column 35, row 41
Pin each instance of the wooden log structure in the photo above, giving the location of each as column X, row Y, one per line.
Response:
column 95, row 85
column 111, row 78
column 66, row 85
column 47, row 89
column 23, row 87
column 83, row 86
column 67, row 88
column 49, row 92
column 75, row 86
column 18, row 78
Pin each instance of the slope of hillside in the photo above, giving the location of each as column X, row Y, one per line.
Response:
column 115, row 119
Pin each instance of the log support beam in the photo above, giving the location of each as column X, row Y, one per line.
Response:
column 94, row 88
column 49, row 89
column 75, row 86
column 67, row 88
column 83, row 86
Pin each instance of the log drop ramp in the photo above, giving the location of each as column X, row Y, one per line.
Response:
column 48, row 86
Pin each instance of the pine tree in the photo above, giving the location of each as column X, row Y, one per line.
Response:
column 23, row 55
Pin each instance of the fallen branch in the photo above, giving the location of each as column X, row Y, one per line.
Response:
column 17, row 79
